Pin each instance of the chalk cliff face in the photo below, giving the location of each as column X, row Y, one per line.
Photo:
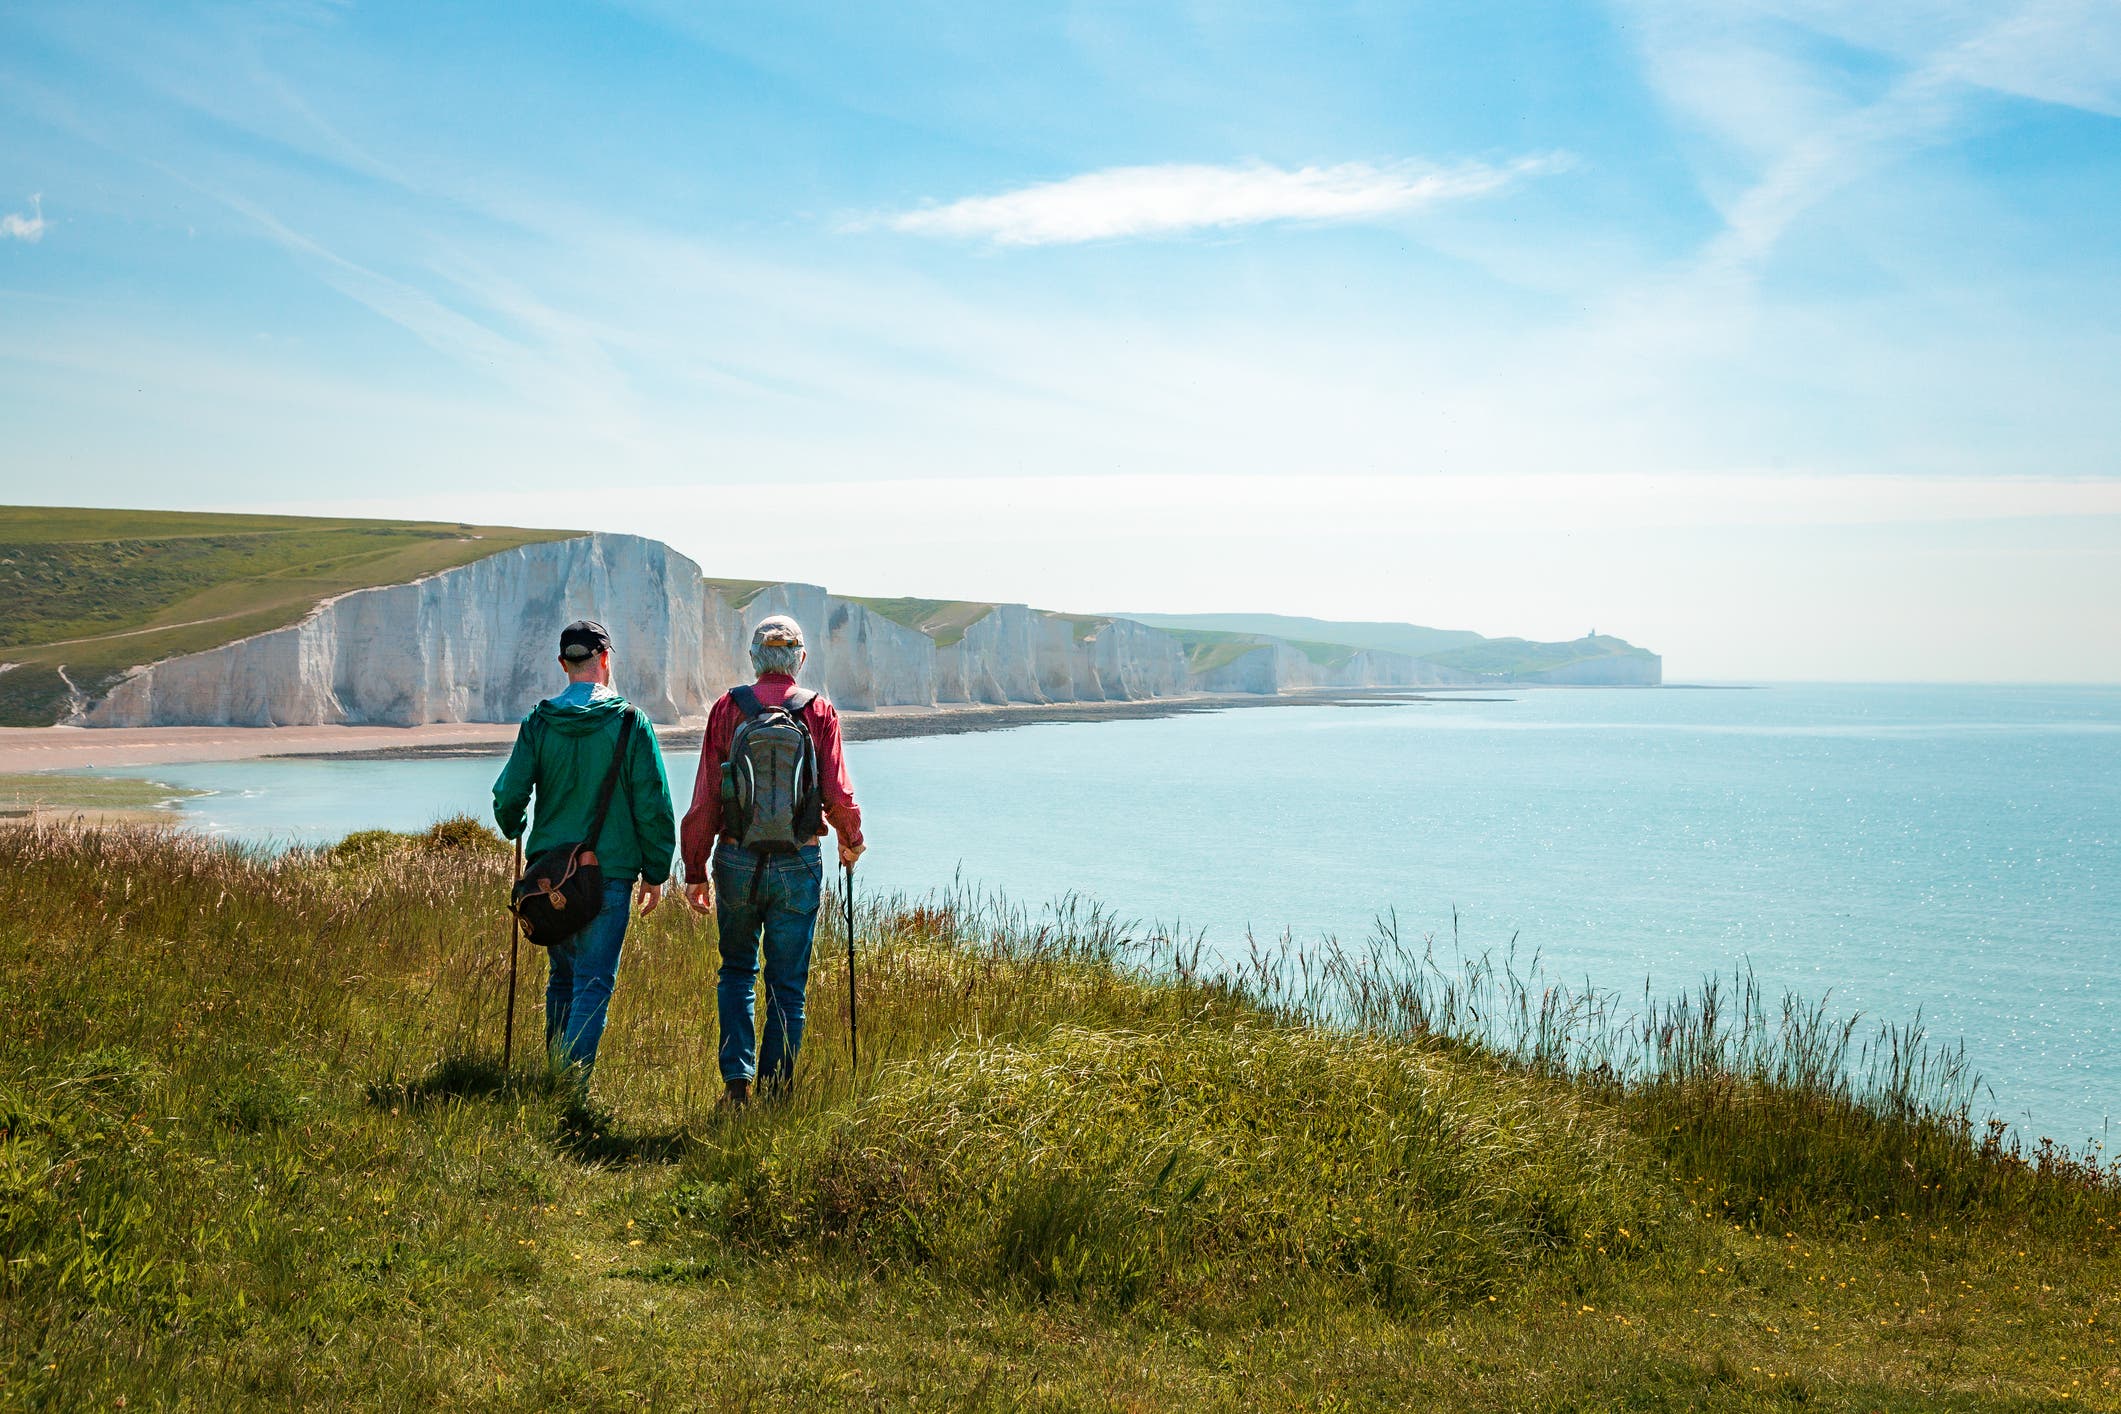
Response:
column 473, row 644
column 1276, row 667
column 1018, row 654
column 863, row 660
column 1619, row 670
column 1267, row 669
column 1127, row 661
column 476, row 644
column 860, row 659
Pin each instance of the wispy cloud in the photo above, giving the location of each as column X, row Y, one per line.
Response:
column 1173, row 198
column 15, row 226
column 1737, row 72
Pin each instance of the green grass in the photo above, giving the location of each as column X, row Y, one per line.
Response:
column 1410, row 639
column 1209, row 649
column 739, row 592
column 1212, row 640
column 256, row 1149
column 1081, row 627
column 1516, row 657
column 1325, row 655
column 944, row 620
column 26, row 794
column 87, row 594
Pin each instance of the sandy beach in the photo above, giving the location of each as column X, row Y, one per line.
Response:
column 63, row 748
column 26, row 749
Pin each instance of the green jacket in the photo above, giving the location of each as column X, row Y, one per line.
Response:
column 562, row 751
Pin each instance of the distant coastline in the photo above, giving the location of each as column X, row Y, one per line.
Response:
column 898, row 723
column 44, row 749
column 310, row 641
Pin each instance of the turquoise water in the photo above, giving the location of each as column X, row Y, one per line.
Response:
column 1952, row 849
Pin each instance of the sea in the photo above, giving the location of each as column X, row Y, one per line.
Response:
column 1952, row 852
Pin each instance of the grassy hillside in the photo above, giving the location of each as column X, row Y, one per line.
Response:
column 1209, row 649
column 1082, row 627
column 739, row 592
column 87, row 594
column 1410, row 639
column 1516, row 657
column 1327, row 641
column 944, row 620
column 255, row 1148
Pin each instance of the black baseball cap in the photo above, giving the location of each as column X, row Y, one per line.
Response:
column 584, row 639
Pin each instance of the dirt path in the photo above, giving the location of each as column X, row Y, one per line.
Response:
column 136, row 632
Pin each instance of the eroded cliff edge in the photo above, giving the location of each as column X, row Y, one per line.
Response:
column 472, row 644
column 475, row 644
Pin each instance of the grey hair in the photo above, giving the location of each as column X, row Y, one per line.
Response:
column 776, row 658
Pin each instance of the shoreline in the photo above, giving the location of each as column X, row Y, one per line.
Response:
column 41, row 749
column 947, row 719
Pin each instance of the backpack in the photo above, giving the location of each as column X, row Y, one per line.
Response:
column 772, row 799
column 560, row 893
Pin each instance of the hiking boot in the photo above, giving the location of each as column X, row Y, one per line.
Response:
column 736, row 1093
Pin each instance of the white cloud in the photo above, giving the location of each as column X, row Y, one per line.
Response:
column 15, row 226
column 1174, row 197
column 1739, row 72
column 2065, row 52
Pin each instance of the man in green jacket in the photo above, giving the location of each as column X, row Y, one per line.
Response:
column 562, row 751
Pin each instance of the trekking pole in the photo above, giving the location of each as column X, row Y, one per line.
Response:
column 508, row 1035
column 854, row 1031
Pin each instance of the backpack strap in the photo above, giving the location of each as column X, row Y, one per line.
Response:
column 810, row 810
column 611, row 779
column 747, row 700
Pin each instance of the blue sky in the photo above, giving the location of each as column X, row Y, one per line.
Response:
column 1782, row 336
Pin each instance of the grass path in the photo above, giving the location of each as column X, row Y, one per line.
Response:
column 136, row 632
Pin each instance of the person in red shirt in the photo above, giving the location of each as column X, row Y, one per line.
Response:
column 764, row 901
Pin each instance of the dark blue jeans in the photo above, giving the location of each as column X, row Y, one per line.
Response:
column 781, row 916
column 578, row 986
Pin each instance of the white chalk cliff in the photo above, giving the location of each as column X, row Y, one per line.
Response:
column 471, row 644
column 476, row 644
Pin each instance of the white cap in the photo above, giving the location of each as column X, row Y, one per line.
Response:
column 777, row 631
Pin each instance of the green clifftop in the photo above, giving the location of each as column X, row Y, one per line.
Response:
column 86, row 594
column 143, row 618
column 1216, row 640
column 1411, row 639
column 1521, row 658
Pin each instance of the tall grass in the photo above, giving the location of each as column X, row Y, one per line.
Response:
column 1784, row 1109
column 256, row 1098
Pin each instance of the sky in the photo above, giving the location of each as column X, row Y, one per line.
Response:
column 1782, row 337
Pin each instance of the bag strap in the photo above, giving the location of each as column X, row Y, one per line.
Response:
column 747, row 701
column 798, row 705
column 611, row 779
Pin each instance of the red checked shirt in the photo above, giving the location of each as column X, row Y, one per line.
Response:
column 703, row 822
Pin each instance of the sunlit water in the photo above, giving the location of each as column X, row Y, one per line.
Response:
column 1956, row 850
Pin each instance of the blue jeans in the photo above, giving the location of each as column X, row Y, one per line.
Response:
column 783, row 915
column 578, row 986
